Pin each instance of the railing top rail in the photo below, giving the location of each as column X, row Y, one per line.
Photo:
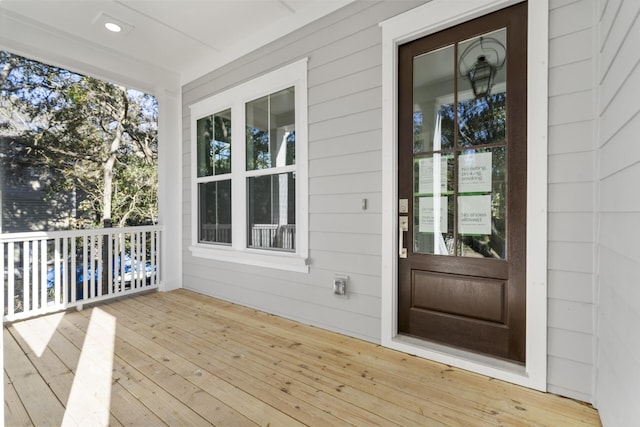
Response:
column 42, row 235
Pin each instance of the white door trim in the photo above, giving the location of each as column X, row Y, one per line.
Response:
column 427, row 19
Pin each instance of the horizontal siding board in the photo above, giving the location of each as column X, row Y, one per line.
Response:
column 364, row 223
column 571, row 197
column 571, row 167
column 346, row 125
column 621, row 152
column 571, row 316
column 571, row 137
column 622, row 109
column 570, row 256
column 575, row 47
column 571, row 286
column 574, row 107
column 571, row 345
column 369, row 78
column 352, row 64
column 353, row 243
column 346, row 184
column 571, row 18
column 571, row 78
column 625, row 18
column 346, row 104
column 616, row 194
column 620, row 67
column 346, row 145
column 571, row 227
column 368, row 161
column 345, row 203
column 575, row 379
column 620, row 233
column 342, row 262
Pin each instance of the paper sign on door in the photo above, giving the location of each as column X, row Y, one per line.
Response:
column 433, row 215
column 474, row 215
column 475, row 173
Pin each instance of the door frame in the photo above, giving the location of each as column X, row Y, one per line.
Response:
column 419, row 22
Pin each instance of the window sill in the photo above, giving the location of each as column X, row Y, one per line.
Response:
column 258, row 258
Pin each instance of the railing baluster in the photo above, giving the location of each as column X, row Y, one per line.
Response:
column 73, row 273
column 65, row 273
column 85, row 269
column 26, row 281
column 143, row 264
column 110, row 263
column 34, row 277
column 44, row 259
column 153, row 261
column 11, row 265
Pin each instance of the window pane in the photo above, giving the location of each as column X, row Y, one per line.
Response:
column 272, row 211
column 215, row 212
column 214, row 144
column 270, row 135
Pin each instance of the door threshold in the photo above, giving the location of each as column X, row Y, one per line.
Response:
column 485, row 365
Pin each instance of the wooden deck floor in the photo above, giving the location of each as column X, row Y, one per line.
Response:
column 180, row 358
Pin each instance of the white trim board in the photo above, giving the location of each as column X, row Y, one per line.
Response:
column 427, row 19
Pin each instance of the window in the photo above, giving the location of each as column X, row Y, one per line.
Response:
column 249, row 172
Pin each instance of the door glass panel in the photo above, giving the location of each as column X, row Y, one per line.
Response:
column 433, row 204
column 482, row 89
column 482, row 203
column 433, row 86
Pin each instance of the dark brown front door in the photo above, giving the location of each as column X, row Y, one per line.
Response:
column 462, row 185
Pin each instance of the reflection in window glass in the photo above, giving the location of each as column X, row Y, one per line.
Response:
column 214, row 144
column 215, row 212
column 270, row 130
column 430, row 132
column 271, row 211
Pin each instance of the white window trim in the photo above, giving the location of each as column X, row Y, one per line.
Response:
column 421, row 21
column 294, row 74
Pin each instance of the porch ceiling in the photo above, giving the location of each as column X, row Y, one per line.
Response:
column 183, row 38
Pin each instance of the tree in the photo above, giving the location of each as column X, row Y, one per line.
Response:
column 97, row 138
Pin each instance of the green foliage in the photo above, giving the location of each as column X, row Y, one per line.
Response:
column 96, row 138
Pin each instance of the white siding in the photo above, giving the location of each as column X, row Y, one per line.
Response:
column 344, row 52
column 618, row 379
column 571, row 247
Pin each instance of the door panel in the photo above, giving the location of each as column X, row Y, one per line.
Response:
column 462, row 174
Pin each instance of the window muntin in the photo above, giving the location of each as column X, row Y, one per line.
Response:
column 269, row 144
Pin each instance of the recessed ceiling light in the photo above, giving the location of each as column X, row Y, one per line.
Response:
column 112, row 26
column 115, row 25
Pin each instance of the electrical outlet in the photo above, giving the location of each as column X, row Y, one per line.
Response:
column 340, row 284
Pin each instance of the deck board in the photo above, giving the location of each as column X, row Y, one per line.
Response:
column 180, row 358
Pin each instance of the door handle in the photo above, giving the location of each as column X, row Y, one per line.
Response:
column 403, row 223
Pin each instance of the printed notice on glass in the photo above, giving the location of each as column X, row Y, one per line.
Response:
column 474, row 215
column 432, row 176
column 475, row 173
column 433, row 215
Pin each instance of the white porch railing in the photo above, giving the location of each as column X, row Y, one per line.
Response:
column 50, row 271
